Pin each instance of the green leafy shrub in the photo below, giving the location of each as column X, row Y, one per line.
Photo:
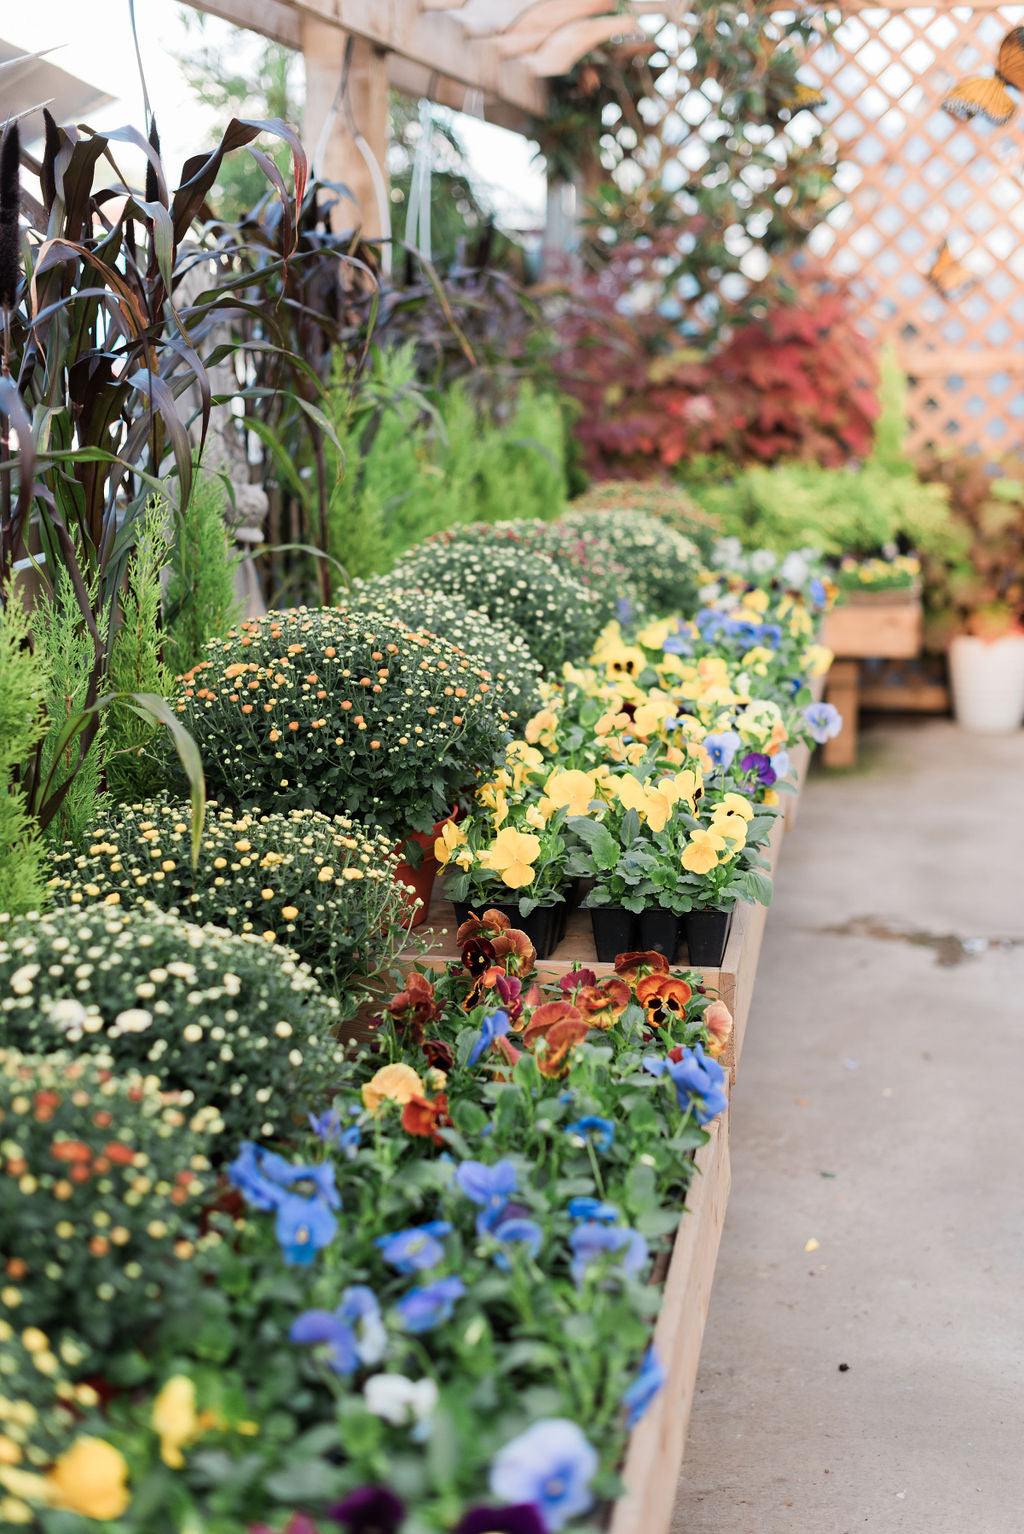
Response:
column 132, row 769
column 975, row 583
column 66, row 656
column 580, row 552
column 101, row 1196
column 485, row 643
column 415, row 460
column 653, row 498
column 230, row 1019
column 837, row 511
column 22, row 725
column 200, row 602
column 347, row 712
column 523, row 592
column 662, row 566
column 322, row 885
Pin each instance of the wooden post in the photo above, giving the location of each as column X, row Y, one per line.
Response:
column 843, row 690
column 341, row 160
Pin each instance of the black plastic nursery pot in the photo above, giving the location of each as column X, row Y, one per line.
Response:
column 615, row 931
column 659, row 932
column 707, row 932
column 544, row 926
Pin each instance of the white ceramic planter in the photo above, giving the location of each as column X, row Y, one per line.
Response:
column 987, row 677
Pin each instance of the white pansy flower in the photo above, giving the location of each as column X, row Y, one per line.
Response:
column 402, row 1402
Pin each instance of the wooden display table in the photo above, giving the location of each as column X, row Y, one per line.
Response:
column 869, row 625
column 656, row 1447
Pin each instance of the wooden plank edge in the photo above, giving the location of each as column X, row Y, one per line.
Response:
column 657, row 1445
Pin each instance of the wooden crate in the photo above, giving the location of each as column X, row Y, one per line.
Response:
column 654, row 1454
column 888, row 624
column 733, row 981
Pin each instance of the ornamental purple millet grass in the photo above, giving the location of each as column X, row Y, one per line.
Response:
column 152, row 184
column 10, row 206
column 51, row 149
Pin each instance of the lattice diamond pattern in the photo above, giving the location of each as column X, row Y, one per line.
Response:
column 913, row 176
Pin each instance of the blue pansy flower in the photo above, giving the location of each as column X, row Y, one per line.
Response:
column 517, row 1232
column 623, row 609
column 551, row 1465
column 743, row 630
column 721, row 748
column 817, row 593
column 781, row 763
column 304, row 1220
column 489, row 1186
column 600, row 1132
column 823, row 720
column 677, row 644
column 711, row 622
column 644, row 1388
column 327, row 1126
column 495, row 1026
column 770, row 634
column 412, row 1250
column 354, row 1333
column 584, row 1208
column 430, row 1304
column 593, row 1243
column 697, row 1078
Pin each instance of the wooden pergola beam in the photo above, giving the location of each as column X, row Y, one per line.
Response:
column 436, row 41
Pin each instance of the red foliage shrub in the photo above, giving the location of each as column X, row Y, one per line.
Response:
column 799, row 382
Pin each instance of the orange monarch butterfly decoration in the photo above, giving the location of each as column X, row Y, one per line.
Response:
column 985, row 97
column 948, row 275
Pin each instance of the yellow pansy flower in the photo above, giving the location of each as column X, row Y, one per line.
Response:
column 631, row 794
column 175, row 1420
column 816, row 659
column 757, row 600
column 448, row 843
column 512, row 855
column 537, row 814
column 610, row 721
column 541, row 728
column 700, row 855
column 653, row 635
column 732, row 827
column 90, row 1478
column 650, row 717
column 572, row 788
column 395, row 1083
column 736, row 804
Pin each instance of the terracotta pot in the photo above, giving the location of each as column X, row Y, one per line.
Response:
column 422, row 877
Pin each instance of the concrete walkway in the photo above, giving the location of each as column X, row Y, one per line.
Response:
column 879, row 1113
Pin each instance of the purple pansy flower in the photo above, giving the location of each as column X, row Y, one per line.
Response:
column 760, row 765
column 370, row 1510
column 521, row 1519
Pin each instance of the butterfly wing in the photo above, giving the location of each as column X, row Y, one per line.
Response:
column 806, row 97
column 1010, row 62
column 980, row 96
column 947, row 274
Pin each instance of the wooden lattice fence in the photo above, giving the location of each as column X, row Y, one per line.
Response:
column 914, row 177
column 914, row 181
